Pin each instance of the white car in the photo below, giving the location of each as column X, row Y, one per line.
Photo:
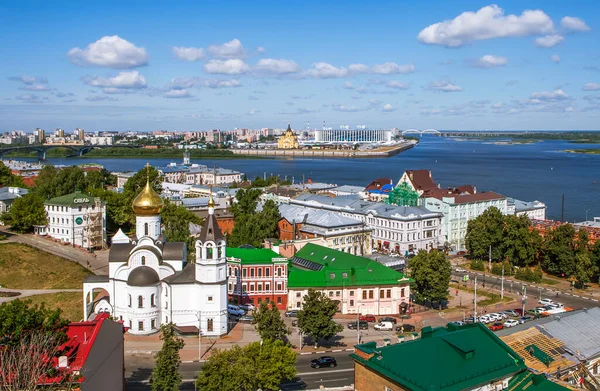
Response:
column 384, row 326
column 546, row 302
column 460, row 270
column 484, row 319
column 494, row 317
column 511, row 323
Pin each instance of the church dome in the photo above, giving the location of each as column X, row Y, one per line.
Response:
column 147, row 203
column 142, row 276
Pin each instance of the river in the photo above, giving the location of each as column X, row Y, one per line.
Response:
column 537, row 171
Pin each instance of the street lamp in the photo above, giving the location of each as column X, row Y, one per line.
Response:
column 358, row 323
column 199, row 316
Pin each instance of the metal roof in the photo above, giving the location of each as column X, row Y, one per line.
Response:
column 580, row 332
column 318, row 217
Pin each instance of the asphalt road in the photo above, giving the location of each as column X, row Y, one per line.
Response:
column 533, row 291
column 139, row 368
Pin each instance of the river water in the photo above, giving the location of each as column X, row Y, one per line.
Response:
column 537, row 171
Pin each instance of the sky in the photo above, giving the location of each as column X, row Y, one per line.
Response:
column 200, row 65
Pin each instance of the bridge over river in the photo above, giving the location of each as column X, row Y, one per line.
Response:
column 78, row 149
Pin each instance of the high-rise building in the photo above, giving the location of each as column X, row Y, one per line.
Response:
column 80, row 134
column 40, row 135
column 59, row 133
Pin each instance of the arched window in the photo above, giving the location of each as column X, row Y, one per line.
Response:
column 267, row 272
column 146, row 229
column 252, row 272
column 129, row 300
column 260, row 272
column 140, row 302
column 152, row 302
column 143, row 260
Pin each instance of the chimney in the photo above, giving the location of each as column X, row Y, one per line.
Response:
column 474, row 189
column 429, row 173
column 411, row 176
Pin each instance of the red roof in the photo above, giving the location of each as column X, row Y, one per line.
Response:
column 421, row 179
column 378, row 183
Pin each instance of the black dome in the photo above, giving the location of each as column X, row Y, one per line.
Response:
column 142, row 276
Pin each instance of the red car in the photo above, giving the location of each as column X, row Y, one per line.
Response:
column 368, row 318
column 519, row 311
column 496, row 326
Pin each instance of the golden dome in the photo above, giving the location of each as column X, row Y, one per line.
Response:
column 147, row 203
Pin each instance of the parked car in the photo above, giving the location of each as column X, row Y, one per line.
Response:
column 291, row 313
column 248, row 307
column 235, row 310
column 324, row 361
column 545, row 301
column 368, row 318
column 524, row 319
column 496, row 326
column 494, row 317
column 470, row 320
column 384, row 326
column 511, row 323
column 246, row 319
column 460, row 270
column 519, row 311
column 361, row 324
column 406, row 328
column 484, row 319
column 454, row 281
column 459, row 322
column 388, row 319
column 512, row 313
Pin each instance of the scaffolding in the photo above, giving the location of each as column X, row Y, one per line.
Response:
column 94, row 229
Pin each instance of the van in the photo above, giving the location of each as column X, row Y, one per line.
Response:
column 384, row 326
column 235, row 310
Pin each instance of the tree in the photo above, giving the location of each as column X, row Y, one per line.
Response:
column 176, row 220
column 25, row 212
column 269, row 324
column 259, row 365
column 585, row 267
column 7, row 178
column 521, row 244
column 559, row 251
column 316, row 316
column 20, row 320
column 252, row 226
column 595, row 254
column 431, row 274
column 484, row 231
column 165, row 376
column 134, row 186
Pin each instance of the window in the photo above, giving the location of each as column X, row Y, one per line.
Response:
column 167, row 319
column 267, row 300
column 267, row 272
column 209, row 299
column 298, row 305
column 259, row 287
column 331, row 276
column 244, row 288
column 230, row 287
column 351, row 293
column 337, row 293
column 364, row 295
column 141, row 325
column 130, row 324
column 251, row 272
column 259, row 300
column 389, row 294
column 330, row 293
column 278, row 272
column 146, row 229
column 251, row 287
column 152, row 301
column 129, row 304
column 351, row 303
column 381, row 294
column 260, row 272
column 140, row 302
column 267, row 287
column 278, row 286
column 243, row 272
column 80, row 208
column 209, row 324
column 153, row 324
column 371, row 294
column 143, row 260
column 402, row 292
column 298, row 294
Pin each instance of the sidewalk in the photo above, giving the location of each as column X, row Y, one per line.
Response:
column 32, row 292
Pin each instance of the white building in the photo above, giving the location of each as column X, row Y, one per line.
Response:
column 150, row 282
column 76, row 218
column 202, row 175
column 99, row 140
column 535, row 210
column 8, row 195
column 353, row 135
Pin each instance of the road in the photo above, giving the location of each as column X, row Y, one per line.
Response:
column 139, row 368
column 534, row 292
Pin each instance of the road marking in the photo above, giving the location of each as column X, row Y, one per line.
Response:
column 576, row 296
column 323, row 373
column 594, row 299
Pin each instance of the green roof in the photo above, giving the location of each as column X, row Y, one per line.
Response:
column 252, row 255
column 533, row 382
column 74, row 199
column 453, row 358
column 316, row 266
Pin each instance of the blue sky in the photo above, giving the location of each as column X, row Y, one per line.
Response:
column 201, row 65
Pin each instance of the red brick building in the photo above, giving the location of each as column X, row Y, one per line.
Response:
column 256, row 275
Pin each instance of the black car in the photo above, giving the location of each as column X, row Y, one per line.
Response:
column 291, row 313
column 362, row 324
column 388, row 319
column 407, row 328
column 325, row 361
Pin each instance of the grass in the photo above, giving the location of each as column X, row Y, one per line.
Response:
column 24, row 267
column 549, row 281
column 588, row 151
column 70, row 303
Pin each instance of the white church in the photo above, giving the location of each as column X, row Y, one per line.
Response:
column 150, row 282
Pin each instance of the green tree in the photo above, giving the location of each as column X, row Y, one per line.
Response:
column 268, row 322
column 20, row 320
column 259, row 365
column 316, row 316
column 99, row 180
column 176, row 220
column 252, row 226
column 7, row 178
column 134, row 186
column 559, row 251
column 25, row 212
column 165, row 376
column 431, row 274
column 44, row 183
column 595, row 254
column 521, row 244
column 484, row 231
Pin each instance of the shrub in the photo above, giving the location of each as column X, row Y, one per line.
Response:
column 497, row 268
column 526, row 274
column 477, row 264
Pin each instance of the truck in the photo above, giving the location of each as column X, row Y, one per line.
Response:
column 384, row 326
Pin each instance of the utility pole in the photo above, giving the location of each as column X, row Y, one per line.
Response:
column 199, row 336
column 502, row 284
column 490, row 259
column 524, row 300
column 475, row 301
column 358, row 324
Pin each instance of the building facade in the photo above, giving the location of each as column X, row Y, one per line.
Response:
column 8, row 195
column 150, row 282
column 535, row 210
column 256, row 275
column 202, row 175
column 76, row 218
column 288, row 140
column 353, row 135
column 357, row 284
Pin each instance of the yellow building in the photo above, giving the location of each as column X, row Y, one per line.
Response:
column 288, row 141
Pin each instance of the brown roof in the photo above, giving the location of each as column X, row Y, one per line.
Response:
column 420, row 179
column 210, row 230
column 378, row 183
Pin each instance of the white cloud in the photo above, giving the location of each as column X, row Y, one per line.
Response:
column 397, row 85
column 252, row 112
column 188, row 54
column 569, row 109
column 231, row 49
column 216, row 83
column 491, row 61
column 31, row 98
column 109, row 51
column 549, row 41
column 591, row 87
column 388, row 108
column 487, row 23
column 125, row 79
column 180, row 83
column 348, row 85
column 228, row 67
column 346, row 109
column 444, row 86
column 36, row 87
column 390, row 68
column 358, row 68
column 99, row 98
column 323, row 70
column 276, row 67
column 572, row 23
column 29, row 80
column 177, row 94
column 260, row 50
column 555, row 58
column 548, row 96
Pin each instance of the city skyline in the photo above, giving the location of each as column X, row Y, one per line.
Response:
column 468, row 66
